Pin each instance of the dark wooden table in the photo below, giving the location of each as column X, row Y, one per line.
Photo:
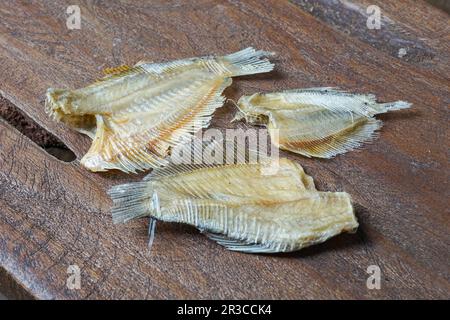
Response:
column 54, row 214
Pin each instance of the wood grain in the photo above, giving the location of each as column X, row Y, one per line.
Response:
column 55, row 214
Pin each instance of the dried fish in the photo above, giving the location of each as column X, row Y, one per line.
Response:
column 136, row 114
column 316, row 122
column 239, row 205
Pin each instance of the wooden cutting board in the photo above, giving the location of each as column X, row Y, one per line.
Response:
column 55, row 214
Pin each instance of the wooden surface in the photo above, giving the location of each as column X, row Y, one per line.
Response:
column 54, row 214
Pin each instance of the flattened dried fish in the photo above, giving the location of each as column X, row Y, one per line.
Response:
column 239, row 206
column 316, row 122
column 136, row 114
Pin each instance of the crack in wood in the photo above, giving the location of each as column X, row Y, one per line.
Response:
column 29, row 128
column 393, row 37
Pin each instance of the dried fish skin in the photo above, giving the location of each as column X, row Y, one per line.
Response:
column 239, row 207
column 316, row 122
column 136, row 114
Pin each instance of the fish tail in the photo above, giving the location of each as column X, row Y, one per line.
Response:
column 249, row 61
column 391, row 106
column 131, row 201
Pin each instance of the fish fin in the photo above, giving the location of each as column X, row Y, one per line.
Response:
column 141, row 62
column 344, row 139
column 132, row 200
column 200, row 115
column 244, row 62
column 151, row 231
column 128, row 157
column 207, row 179
column 190, row 119
column 392, row 106
column 249, row 61
column 239, row 245
column 314, row 89
column 155, row 68
column 116, row 70
column 229, row 178
column 162, row 68
column 337, row 100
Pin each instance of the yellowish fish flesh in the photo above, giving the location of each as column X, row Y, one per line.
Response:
column 240, row 206
column 135, row 115
column 316, row 122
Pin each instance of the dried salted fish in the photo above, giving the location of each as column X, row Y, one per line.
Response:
column 240, row 206
column 136, row 114
column 316, row 122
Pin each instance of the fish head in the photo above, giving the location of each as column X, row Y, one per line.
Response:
column 250, row 110
column 58, row 102
column 61, row 105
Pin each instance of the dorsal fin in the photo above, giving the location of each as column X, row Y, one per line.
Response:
column 239, row 245
column 141, row 62
column 116, row 70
